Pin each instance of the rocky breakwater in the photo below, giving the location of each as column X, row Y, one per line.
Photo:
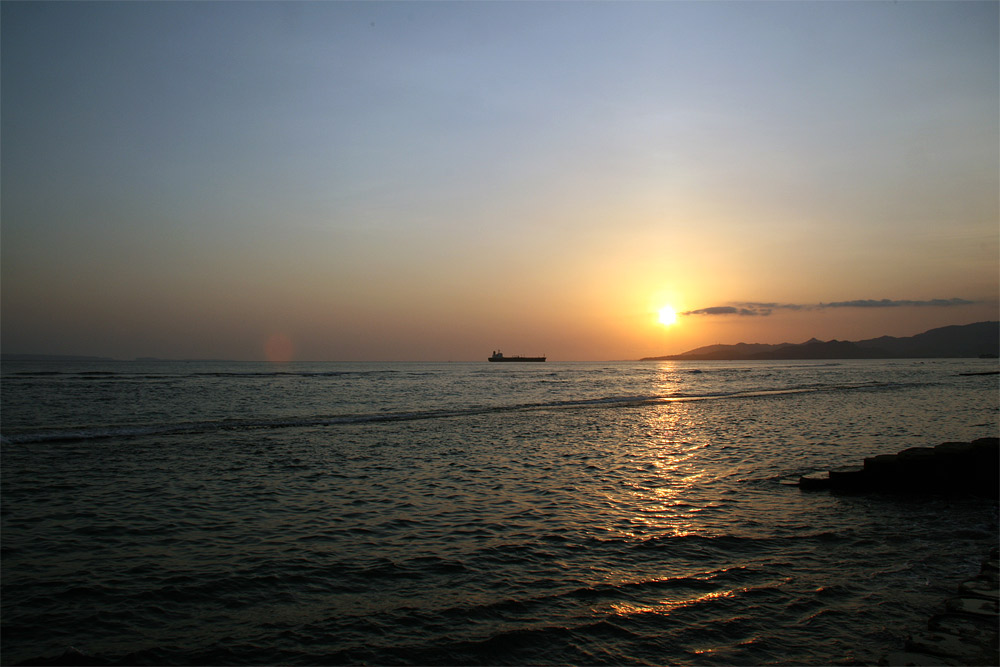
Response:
column 964, row 631
column 951, row 467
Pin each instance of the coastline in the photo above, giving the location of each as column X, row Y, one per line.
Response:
column 964, row 628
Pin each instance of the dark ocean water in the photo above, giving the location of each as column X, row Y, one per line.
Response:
column 592, row 513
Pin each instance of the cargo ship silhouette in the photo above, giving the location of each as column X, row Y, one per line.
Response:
column 498, row 356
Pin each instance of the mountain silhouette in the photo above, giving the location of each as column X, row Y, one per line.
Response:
column 981, row 339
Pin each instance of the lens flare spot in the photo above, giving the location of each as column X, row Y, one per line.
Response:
column 279, row 349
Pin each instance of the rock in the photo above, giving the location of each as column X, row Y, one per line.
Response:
column 904, row 658
column 970, row 627
column 848, row 477
column 814, row 482
column 980, row 588
column 949, row 646
column 974, row 606
column 917, row 452
column 881, row 465
column 919, row 467
column 966, row 634
column 989, row 575
column 951, row 467
column 953, row 448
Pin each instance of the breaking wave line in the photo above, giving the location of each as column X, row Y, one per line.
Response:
column 104, row 432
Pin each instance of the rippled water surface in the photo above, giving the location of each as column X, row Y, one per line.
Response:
column 209, row 513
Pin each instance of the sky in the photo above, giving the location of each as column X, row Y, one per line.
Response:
column 433, row 181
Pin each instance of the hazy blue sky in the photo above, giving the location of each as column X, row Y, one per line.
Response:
column 435, row 180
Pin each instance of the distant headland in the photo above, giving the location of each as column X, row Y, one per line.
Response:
column 981, row 339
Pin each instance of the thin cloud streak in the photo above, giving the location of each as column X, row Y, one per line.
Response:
column 887, row 303
column 763, row 309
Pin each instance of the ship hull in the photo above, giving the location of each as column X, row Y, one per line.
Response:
column 517, row 359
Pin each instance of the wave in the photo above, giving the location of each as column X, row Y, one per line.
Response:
column 110, row 431
column 86, row 375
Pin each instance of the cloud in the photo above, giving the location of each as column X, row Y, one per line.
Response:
column 888, row 303
column 728, row 310
column 763, row 309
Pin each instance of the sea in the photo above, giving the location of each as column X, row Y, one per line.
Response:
column 627, row 513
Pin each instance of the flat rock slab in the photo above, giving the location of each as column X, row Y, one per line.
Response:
column 970, row 627
column 980, row 588
column 965, row 634
column 947, row 646
column 974, row 606
column 905, row 658
column 989, row 575
column 950, row 467
column 848, row 477
column 814, row 482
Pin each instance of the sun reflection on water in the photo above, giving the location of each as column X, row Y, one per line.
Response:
column 660, row 492
column 666, row 605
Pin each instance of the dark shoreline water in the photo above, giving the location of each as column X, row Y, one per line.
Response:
column 461, row 514
column 963, row 629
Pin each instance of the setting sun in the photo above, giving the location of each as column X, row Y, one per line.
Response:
column 668, row 315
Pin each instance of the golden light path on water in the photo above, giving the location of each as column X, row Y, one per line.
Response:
column 658, row 501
